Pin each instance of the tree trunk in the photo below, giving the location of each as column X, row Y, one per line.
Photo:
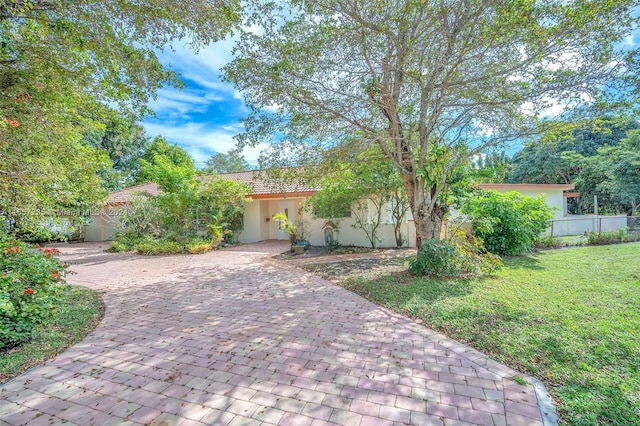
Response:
column 427, row 218
column 397, row 230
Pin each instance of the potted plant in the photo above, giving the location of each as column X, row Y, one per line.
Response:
column 297, row 244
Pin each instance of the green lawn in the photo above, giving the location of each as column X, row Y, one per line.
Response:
column 570, row 317
column 78, row 314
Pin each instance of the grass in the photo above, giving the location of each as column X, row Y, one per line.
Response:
column 569, row 317
column 78, row 314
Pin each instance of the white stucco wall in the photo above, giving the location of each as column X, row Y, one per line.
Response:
column 105, row 223
column 259, row 226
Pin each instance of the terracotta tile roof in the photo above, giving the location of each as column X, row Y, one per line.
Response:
column 127, row 194
column 258, row 180
column 265, row 185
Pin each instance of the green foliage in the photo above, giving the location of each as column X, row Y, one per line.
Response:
column 548, row 242
column 124, row 141
column 286, row 225
column 460, row 255
column 607, row 237
column 437, row 258
column 149, row 246
column 232, row 161
column 419, row 80
column 60, row 64
column 31, row 282
column 508, row 224
column 162, row 162
column 596, row 155
column 491, row 167
column 362, row 187
column 191, row 213
column 77, row 314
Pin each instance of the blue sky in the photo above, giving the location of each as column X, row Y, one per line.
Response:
column 203, row 117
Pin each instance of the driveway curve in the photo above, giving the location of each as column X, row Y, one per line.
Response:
column 234, row 337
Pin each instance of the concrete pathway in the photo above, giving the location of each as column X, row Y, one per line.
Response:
column 226, row 338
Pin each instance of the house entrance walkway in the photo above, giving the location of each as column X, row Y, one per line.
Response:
column 226, row 338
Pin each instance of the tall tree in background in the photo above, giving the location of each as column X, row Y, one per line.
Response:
column 429, row 83
column 232, row 161
column 575, row 155
column 125, row 141
column 491, row 167
column 61, row 62
column 161, row 154
column 620, row 165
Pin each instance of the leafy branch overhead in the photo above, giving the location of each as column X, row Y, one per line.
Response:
column 64, row 67
column 429, row 84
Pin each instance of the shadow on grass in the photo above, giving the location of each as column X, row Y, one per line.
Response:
column 529, row 261
column 404, row 293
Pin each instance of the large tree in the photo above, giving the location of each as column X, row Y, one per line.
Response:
column 62, row 65
column 232, row 161
column 161, row 151
column 125, row 142
column 430, row 82
column 573, row 155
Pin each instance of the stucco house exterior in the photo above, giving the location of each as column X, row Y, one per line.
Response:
column 106, row 222
column 267, row 199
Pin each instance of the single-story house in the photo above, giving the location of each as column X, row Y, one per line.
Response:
column 268, row 199
column 106, row 222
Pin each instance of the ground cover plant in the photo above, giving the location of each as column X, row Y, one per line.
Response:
column 40, row 314
column 31, row 283
column 78, row 312
column 570, row 317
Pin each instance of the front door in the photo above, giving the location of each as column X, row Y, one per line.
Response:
column 288, row 207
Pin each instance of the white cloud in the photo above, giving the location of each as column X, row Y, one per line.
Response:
column 201, row 142
column 189, row 117
column 174, row 101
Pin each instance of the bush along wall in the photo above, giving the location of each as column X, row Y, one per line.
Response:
column 508, row 224
column 31, row 284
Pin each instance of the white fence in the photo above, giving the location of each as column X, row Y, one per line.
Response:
column 578, row 225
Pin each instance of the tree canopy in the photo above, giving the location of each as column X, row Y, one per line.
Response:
column 232, row 161
column 429, row 83
column 590, row 155
column 63, row 66
column 125, row 142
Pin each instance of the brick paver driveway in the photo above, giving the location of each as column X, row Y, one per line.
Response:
column 231, row 338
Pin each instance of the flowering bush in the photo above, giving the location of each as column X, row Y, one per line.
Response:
column 31, row 282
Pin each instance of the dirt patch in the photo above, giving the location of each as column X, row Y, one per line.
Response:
column 369, row 268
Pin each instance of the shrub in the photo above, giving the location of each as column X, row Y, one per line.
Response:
column 437, row 258
column 200, row 246
column 187, row 212
column 117, row 246
column 463, row 254
column 31, row 282
column 548, row 242
column 609, row 237
column 149, row 246
column 508, row 224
